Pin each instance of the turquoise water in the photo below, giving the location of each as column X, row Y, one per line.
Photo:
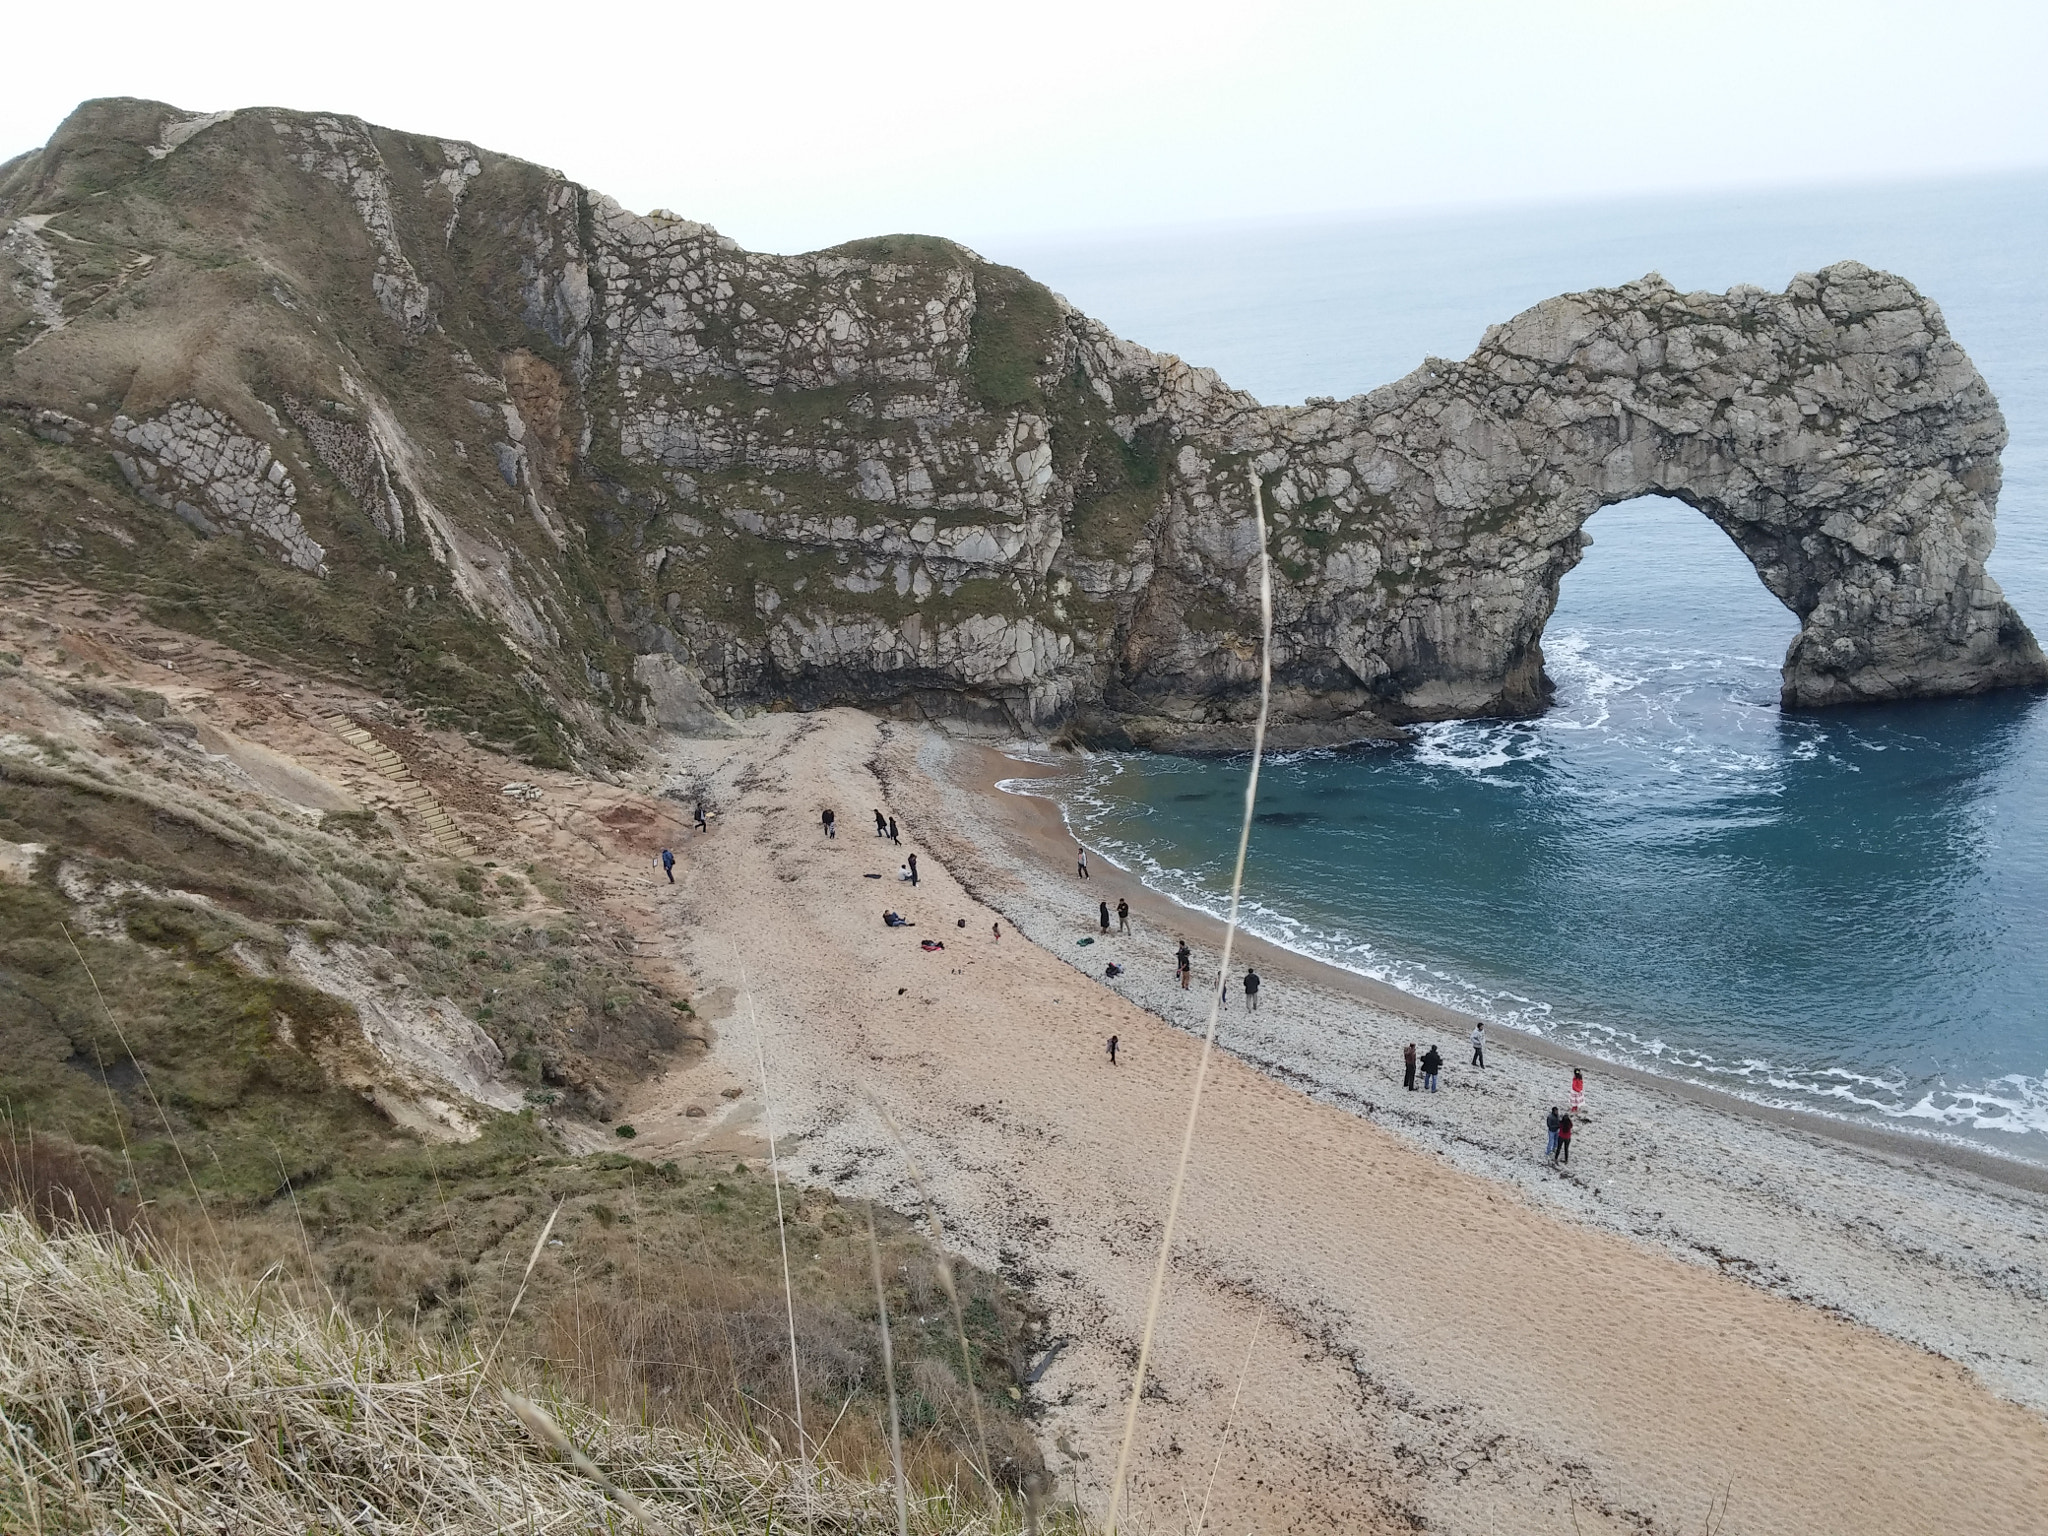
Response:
column 1845, row 912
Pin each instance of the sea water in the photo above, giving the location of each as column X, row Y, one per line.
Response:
column 1843, row 911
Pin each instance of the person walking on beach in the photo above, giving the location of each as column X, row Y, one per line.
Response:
column 1123, row 915
column 1408, row 1067
column 1550, row 1124
column 997, row 930
column 668, row 865
column 912, row 866
column 1432, row 1063
column 831, row 830
column 1563, row 1154
column 1112, row 1050
column 702, row 826
column 1251, row 989
column 1578, row 1091
column 892, row 831
column 1184, row 961
column 881, row 825
column 1081, row 858
column 1479, row 1044
column 1105, row 915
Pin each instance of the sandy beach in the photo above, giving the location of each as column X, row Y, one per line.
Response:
column 1713, row 1310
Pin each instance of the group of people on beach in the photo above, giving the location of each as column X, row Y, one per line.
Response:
column 1558, row 1125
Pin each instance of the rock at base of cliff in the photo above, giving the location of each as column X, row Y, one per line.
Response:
column 676, row 700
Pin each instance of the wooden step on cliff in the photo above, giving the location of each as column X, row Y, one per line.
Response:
column 404, row 792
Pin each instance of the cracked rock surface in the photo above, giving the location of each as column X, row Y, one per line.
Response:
column 674, row 477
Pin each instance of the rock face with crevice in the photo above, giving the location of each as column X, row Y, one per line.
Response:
column 1835, row 432
column 508, row 440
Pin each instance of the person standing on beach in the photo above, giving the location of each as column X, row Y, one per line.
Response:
column 831, row 830
column 1578, row 1091
column 1479, row 1044
column 1112, row 1050
column 668, row 865
column 1550, row 1124
column 1105, row 915
column 1432, row 1063
column 881, row 825
column 1408, row 1067
column 1251, row 989
column 892, row 831
column 997, row 930
column 1563, row 1154
column 913, row 871
column 1184, row 961
column 1123, row 915
column 1081, row 858
column 702, row 826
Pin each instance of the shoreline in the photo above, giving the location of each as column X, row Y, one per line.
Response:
column 992, row 765
column 1432, row 1328
column 1893, row 1231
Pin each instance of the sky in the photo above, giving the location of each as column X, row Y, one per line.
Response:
column 792, row 126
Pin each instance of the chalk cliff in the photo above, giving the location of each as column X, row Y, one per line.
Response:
column 452, row 420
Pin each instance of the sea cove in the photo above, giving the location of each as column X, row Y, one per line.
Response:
column 1833, row 911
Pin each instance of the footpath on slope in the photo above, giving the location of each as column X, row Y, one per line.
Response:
column 1419, row 1344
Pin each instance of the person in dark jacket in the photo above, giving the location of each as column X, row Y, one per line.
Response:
column 1112, row 1050
column 1251, row 989
column 1432, row 1063
column 913, row 870
column 881, row 825
column 1123, row 915
column 1184, row 961
column 892, row 831
column 1550, row 1125
column 668, row 865
column 830, row 821
column 1105, row 915
column 1564, row 1141
column 1408, row 1067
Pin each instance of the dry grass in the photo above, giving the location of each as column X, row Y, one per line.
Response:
column 135, row 1397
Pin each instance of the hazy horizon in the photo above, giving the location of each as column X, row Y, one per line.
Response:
column 799, row 126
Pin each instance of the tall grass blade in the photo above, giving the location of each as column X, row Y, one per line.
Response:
column 1223, row 1440
column 543, row 1428
column 518, row 1296
column 944, row 1263
column 796, row 1386
column 142, row 1074
column 889, row 1375
column 1187, row 1141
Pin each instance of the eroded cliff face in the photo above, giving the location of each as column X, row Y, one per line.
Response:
column 527, row 441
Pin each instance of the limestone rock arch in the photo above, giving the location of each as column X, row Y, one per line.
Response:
column 1836, row 432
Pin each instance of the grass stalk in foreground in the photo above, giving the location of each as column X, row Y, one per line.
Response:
column 796, row 1386
column 1187, row 1140
column 889, row 1375
column 134, row 1397
column 943, row 1263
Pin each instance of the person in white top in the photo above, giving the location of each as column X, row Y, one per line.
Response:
column 1479, row 1044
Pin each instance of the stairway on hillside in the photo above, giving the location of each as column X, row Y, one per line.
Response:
column 407, row 794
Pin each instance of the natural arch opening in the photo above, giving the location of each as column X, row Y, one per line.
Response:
column 1660, row 581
